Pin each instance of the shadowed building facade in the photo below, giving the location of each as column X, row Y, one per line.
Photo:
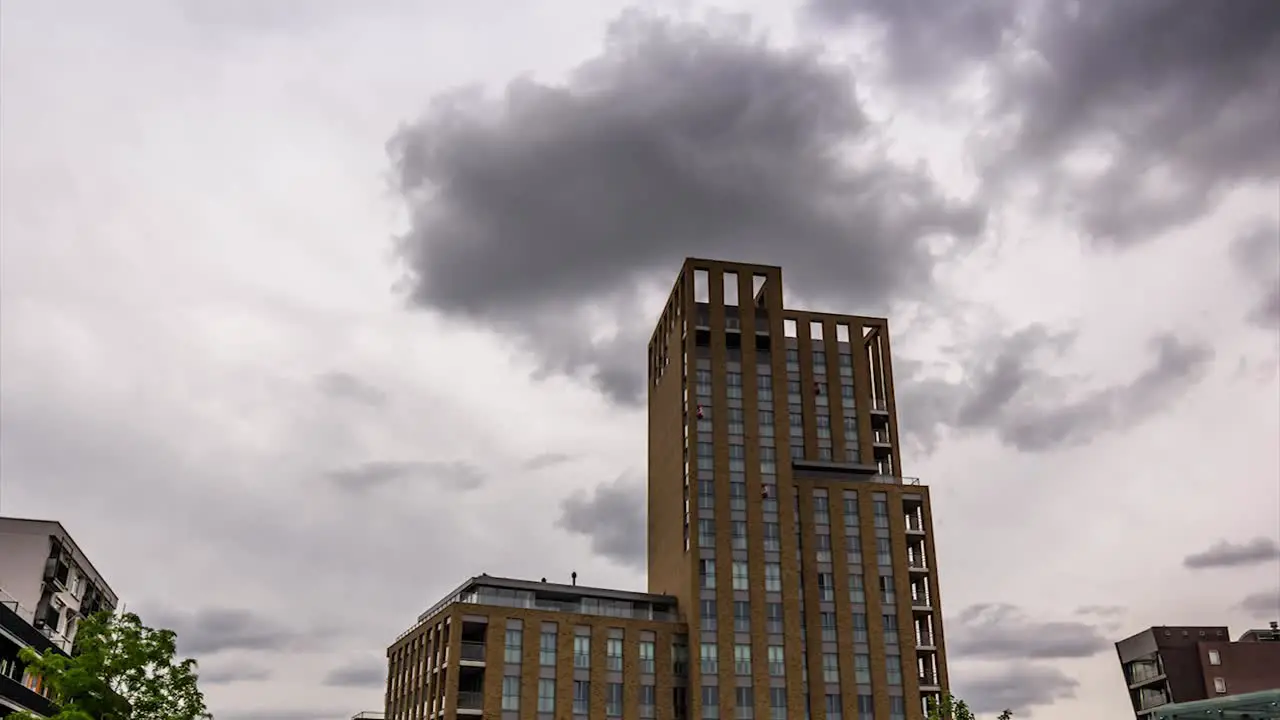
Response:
column 802, row 559
column 790, row 563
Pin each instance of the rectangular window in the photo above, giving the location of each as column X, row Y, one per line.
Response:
column 893, row 669
column 706, row 494
column 511, row 692
column 833, row 707
column 853, row 550
column 648, row 701
column 890, row 629
column 828, row 624
column 547, row 649
column 709, row 655
column 773, row 617
column 738, row 538
column 613, row 700
column 777, row 661
column 740, row 577
column 831, row 668
column 680, row 657
column 737, row 496
column 772, row 577
column 1214, row 658
column 741, row 616
column 582, row 651
column 777, row 703
column 772, row 537
column 1220, row 685
column 866, row 706
column 826, row 592
column 860, row 627
column 884, row 552
column 745, row 703
column 742, row 659
column 821, row 512
column 708, row 614
column 857, row 591
column 887, row 596
column 707, row 573
column 613, row 654
column 546, row 695
column 862, row 669
column 881, row 509
column 710, row 702
column 706, row 533
column 897, row 707
column 581, row 697
column 514, row 646
column 647, row 665
column 822, row 547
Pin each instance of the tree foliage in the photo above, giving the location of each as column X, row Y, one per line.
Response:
column 953, row 708
column 120, row 670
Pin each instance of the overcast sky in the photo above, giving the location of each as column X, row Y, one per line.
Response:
column 312, row 310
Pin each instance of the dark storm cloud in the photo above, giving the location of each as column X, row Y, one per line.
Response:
column 234, row 674
column 1003, row 632
column 345, row 386
column 678, row 140
column 1018, row 687
column 372, row 475
column 362, row 672
column 612, row 517
column 1005, row 390
column 214, row 630
column 546, row 460
column 1223, row 554
column 1262, row 605
column 1257, row 255
column 1181, row 96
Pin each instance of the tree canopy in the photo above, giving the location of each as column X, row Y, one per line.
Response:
column 120, row 670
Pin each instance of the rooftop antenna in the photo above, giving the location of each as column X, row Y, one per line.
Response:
column 574, row 575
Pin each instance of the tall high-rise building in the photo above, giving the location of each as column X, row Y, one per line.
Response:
column 791, row 572
column 778, row 514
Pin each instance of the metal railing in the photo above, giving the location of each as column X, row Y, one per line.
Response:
column 29, row 616
column 470, row 700
column 473, row 651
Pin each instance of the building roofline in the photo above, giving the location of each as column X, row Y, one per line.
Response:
column 75, row 547
column 536, row 585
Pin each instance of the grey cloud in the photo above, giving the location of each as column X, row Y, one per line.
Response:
column 346, row 386
column 1016, row 686
column 285, row 714
column 1262, row 605
column 363, row 672
column 375, row 474
column 1004, row 389
column 234, row 674
column 1102, row 611
column 1003, row 632
column 213, row 630
column 546, row 460
column 1180, row 96
column 1257, row 255
column 677, row 140
column 612, row 517
column 1224, row 554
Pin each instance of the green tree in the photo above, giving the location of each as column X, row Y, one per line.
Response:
column 120, row 670
column 953, row 708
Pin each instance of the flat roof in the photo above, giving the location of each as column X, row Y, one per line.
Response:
column 502, row 583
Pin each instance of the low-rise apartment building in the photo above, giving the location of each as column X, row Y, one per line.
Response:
column 499, row 647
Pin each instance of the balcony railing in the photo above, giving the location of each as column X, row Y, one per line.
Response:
column 879, row 404
column 928, row 679
column 473, row 651
column 29, row 616
column 924, row 640
column 470, row 700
